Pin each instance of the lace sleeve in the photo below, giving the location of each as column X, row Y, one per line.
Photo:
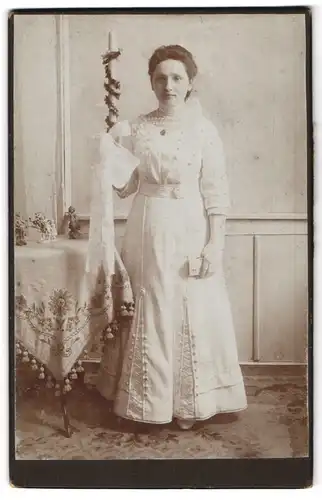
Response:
column 213, row 182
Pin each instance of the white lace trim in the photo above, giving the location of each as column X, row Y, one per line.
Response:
column 132, row 379
column 185, row 389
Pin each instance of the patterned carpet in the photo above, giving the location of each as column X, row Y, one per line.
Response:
column 274, row 425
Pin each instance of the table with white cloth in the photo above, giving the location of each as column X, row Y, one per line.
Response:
column 57, row 316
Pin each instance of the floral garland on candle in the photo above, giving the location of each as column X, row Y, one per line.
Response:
column 112, row 88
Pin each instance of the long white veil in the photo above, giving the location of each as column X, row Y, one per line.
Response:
column 115, row 167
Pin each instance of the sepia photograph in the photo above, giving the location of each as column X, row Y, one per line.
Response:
column 161, row 255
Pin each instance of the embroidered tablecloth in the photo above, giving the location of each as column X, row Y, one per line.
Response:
column 57, row 316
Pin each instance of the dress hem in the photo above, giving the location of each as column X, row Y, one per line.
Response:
column 113, row 397
column 196, row 419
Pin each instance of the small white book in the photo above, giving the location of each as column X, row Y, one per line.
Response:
column 194, row 264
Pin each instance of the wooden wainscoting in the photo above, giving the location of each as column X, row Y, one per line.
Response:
column 267, row 277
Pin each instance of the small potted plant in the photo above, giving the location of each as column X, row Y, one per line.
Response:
column 73, row 224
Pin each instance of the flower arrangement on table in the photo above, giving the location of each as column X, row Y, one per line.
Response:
column 46, row 227
column 21, row 228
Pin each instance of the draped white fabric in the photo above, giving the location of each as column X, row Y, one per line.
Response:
column 115, row 167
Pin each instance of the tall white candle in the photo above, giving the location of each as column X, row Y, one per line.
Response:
column 112, row 41
column 112, row 47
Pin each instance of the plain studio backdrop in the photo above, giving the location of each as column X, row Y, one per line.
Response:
column 251, row 84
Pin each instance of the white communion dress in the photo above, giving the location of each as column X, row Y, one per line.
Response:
column 178, row 357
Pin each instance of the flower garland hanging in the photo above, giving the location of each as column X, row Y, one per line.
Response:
column 112, row 88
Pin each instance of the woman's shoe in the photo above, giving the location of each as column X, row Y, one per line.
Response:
column 185, row 425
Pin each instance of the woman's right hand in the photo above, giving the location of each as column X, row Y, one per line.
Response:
column 121, row 192
column 130, row 187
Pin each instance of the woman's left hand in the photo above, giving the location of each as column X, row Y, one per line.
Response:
column 211, row 259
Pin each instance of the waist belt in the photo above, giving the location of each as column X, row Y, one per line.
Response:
column 173, row 191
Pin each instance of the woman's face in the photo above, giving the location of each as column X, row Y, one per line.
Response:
column 170, row 83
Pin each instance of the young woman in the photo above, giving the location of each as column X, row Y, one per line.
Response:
column 179, row 357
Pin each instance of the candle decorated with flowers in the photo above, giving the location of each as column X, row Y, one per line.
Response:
column 115, row 162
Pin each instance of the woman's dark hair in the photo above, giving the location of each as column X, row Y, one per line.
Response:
column 176, row 52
